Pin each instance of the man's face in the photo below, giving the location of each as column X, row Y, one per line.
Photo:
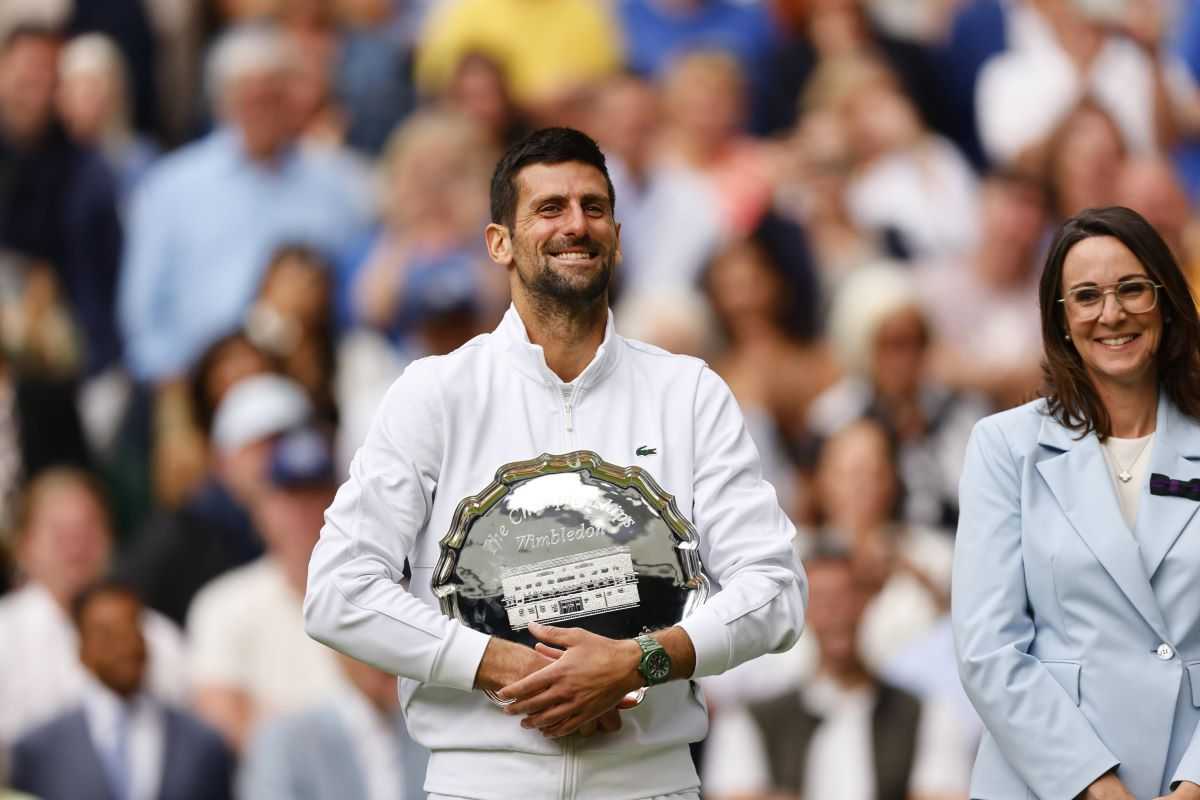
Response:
column 28, row 77
column 290, row 519
column 111, row 644
column 67, row 542
column 565, row 242
column 835, row 608
column 257, row 105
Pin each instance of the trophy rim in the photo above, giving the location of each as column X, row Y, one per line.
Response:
column 687, row 539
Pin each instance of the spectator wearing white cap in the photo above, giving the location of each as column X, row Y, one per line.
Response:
column 250, row 656
column 182, row 549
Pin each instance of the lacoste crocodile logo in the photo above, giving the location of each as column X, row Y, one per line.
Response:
column 646, row 451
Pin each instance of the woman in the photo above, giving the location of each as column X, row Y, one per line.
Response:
column 882, row 337
column 1075, row 610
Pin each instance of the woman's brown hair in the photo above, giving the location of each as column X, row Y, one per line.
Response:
column 1071, row 397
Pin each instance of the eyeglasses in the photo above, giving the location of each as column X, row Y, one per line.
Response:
column 1086, row 303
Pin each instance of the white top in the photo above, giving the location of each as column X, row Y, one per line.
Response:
column 40, row 673
column 1132, row 455
column 246, row 632
column 928, row 193
column 146, row 735
column 840, row 761
column 378, row 748
column 447, row 424
column 1025, row 92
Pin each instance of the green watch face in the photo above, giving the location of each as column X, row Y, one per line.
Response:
column 656, row 667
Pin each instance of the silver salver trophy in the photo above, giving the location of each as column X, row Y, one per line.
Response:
column 569, row 540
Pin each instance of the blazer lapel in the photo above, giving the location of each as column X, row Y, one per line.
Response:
column 1081, row 483
column 1161, row 520
column 83, row 759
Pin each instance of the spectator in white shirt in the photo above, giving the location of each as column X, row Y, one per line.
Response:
column 845, row 734
column 64, row 543
column 250, row 656
column 1060, row 54
column 120, row 737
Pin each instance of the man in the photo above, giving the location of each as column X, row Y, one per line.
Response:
column 58, row 203
column 353, row 747
column 182, row 549
column 844, row 734
column 673, row 221
column 121, row 742
column 63, row 544
column 250, row 659
column 553, row 377
column 205, row 220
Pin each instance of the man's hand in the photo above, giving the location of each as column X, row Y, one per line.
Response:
column 582, row 684
column 1186, row 790
column 506, row 662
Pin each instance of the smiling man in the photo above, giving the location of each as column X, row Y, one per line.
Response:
column 552, row 378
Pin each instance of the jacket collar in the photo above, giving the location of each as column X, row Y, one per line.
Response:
column 530, row 358
column 1079, row 477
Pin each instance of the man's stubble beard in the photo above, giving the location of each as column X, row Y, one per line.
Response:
column 555, row 292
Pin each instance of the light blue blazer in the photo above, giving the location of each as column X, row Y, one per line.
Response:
column 1078, row 640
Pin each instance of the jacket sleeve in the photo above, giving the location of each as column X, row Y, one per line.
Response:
column 355, row 602
column 746, row 543
column 1042, row 733
column 1189, row 766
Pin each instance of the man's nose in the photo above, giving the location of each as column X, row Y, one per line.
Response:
column 574, row 220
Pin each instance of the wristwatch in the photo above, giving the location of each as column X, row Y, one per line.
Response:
column 655, row 666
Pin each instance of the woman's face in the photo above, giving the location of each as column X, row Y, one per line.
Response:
column 1117, row 348
column 898, row 361
column 86, row 102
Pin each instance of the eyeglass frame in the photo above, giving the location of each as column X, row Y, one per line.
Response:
column 1111, row 288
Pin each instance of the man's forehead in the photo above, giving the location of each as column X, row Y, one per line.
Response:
column 565, row 178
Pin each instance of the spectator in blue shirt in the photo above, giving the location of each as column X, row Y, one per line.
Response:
column 659, row 31
column 205, row 221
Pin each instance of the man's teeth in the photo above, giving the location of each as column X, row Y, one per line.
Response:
column 573, row 255
column 1117, row 340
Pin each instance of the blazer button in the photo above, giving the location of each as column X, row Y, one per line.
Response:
column 1165, row 652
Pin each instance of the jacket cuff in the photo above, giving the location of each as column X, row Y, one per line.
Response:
column 1073, row 784
column 459, row 659
column 710, row 640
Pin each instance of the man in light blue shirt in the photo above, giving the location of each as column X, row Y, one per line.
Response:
column 204, row 223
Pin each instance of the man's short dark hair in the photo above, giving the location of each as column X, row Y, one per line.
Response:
column 104, row 586
column 545, row 146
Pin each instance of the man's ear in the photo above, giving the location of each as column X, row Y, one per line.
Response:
column 499, row 243
column 619, row 256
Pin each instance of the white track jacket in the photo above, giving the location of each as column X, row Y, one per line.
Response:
column 440, row 434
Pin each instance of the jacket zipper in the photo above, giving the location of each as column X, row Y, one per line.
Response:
column 570, row 765
column 568, row 407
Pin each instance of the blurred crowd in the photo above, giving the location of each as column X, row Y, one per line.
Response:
column 227, row 225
